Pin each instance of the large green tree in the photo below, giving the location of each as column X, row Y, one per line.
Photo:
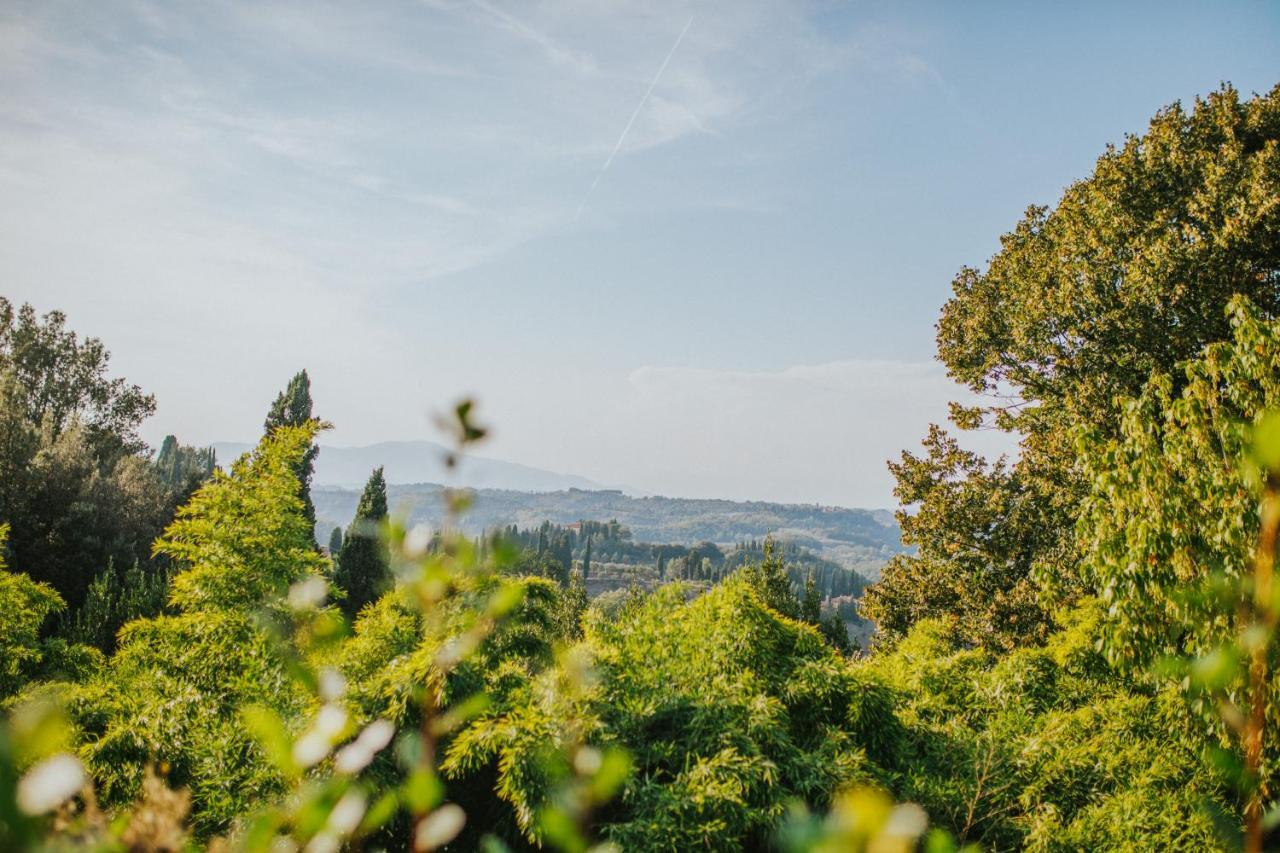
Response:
column 61, row 379
column 1172, row 521
column 362, row 570
column 172, row 690
column 76, row 484
column 1128, row 275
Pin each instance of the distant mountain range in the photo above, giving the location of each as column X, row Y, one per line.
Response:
column 859, row 539
column 422, row 462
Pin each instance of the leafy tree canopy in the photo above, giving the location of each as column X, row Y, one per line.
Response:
column 1127, row 276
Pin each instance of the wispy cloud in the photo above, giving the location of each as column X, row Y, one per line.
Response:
column 557, row 52
column 617, row 146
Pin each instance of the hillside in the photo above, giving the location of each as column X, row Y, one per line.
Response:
column 858, row 539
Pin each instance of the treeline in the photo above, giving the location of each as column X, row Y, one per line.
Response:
column 586, row 543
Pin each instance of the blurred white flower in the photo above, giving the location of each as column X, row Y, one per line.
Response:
column 308, row 594
column 377, row 734
column 324, row 842
column 332, row 684
column 440, row 827
column 346, row 815
column 587, row 761
column 50, row 784
column 356, row 755
column 310, row 749
column 351, row 759
column 417, row 540
column 907, row 820
column 331, row 720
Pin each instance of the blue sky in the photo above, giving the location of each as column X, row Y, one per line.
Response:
column 397, row 195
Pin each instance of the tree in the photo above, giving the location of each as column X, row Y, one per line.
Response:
column 811, row 605
column 114, row 599
column 362, row 570
column 75, row 484
column 771, row 582
column 977, row 530
column 335, row 543
column 1172, row 520
column 61, row 379
column 24, row 605
column 174, row 688
column 724, row 734
column 183, row 468
column 1127, row 276
column 586, row 561
column 292, row 407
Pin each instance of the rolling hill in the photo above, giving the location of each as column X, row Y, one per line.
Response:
column 858, row 539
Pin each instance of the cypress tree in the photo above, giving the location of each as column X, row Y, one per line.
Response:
column 335, row 542
column 362, row 570
column 182, row 468
column 771, row 582
column 292, row 407
column 586, row 561
column 811, row 605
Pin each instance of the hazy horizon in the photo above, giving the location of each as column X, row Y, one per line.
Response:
column 694, row 248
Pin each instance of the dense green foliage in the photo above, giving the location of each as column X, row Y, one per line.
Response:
column 1127, row 276
column 76, row 485
column 292, row 407
column 113, row 599
column 723, row 734
column 173, row 689
column 24, row 606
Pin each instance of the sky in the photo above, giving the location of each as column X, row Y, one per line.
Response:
column 696, row 248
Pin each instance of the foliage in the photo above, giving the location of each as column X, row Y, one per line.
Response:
column 113, row 599
column 172, row 691
column 1178, row 465
column 722, row 734
column 977, row 531
column 772, row 583
column 183, row 468
column 60, row 379
column 76, row 485
column 1127, row 276
column 24, row 606
column 292, row 408
column 362, row 571
column 1188, row 586
column 1046, row 748
column 862, row 819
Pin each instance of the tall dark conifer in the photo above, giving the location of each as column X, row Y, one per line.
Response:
column 811, row 604
column 362, row 570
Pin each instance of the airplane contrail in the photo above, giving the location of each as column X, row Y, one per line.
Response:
column 640, row 106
